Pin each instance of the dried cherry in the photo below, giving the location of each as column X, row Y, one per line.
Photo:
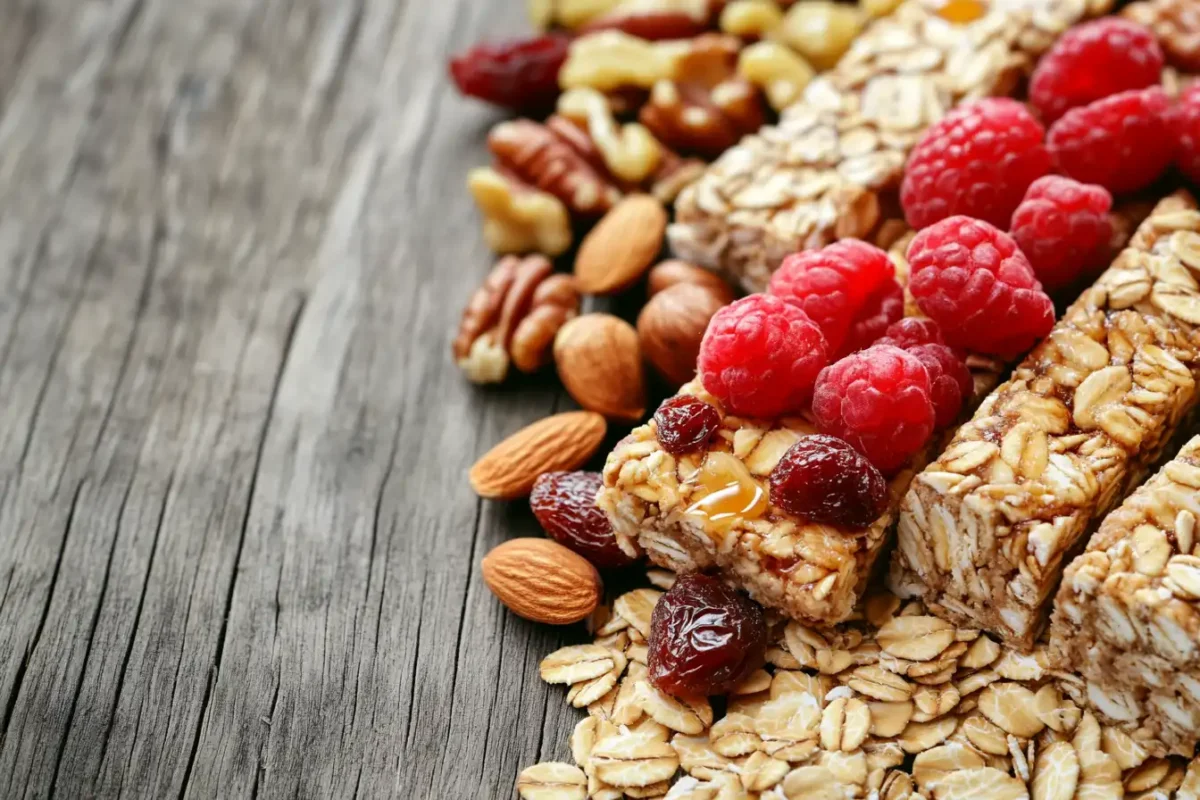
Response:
column 823, row 479
column 704, row 637
column 684, row 423
column 565, row 505
column 521, row 75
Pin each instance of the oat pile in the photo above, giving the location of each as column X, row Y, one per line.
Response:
column 893, row 704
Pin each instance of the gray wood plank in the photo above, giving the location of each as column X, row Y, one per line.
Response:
column 238, row 554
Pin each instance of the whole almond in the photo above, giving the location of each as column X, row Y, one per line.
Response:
column 542, row 581
column 622, row 246
column 600, row 364
column 671, row 326
column 672, row 272
column 561, row 442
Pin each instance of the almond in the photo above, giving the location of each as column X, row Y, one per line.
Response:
column 542, row 581
column 561, row 442
column 622, row 246
column 600, row 364
column 671, row 326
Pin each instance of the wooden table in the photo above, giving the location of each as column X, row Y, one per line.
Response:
column 238, row 552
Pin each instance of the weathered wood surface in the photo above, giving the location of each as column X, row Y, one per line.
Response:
column 238, row 554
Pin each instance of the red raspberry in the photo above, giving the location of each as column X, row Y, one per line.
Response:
column 879, row 401
column 978, row 286
column 950, row 381
column 823, row 479
column 832, row 284
column 912, row 331
column 1092, row 61
column 1119, row 142
column 881, row 309
column 1062, row 227
column 521, row 75
column 1187, row 125
column 760, row 356
column 978, row 161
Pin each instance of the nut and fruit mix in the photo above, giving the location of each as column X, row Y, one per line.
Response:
column 945, row 176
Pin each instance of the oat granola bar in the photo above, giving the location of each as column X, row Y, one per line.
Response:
column 1127, row 617
column 829, row 169
column 985, row 529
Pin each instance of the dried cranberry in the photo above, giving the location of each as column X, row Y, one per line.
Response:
column 521, row 75
column 704, row 637
column 684, row 423
column 565, row 505
column 823, row 479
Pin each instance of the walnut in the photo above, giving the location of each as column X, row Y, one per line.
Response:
column 706, row 107
column 513, row 318
column 657, row 20
column 1176, row 23
column 630, row 152
column 610, row 60
column 517, row 217
column 777, row 71
column 567, row 13
column 557, row 158
column 750, row 19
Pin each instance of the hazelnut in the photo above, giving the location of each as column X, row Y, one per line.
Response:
column 600, row 365
column 673, row 271
column 671, row 326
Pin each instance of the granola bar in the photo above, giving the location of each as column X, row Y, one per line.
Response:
column 1127, row 617
column 985, row 529
column 829, row 169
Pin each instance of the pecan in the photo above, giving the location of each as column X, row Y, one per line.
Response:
column 707, row 107
column 517, row 217
column 513, row 317
column 555, row 160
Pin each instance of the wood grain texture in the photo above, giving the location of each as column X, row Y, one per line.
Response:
column 238, row 552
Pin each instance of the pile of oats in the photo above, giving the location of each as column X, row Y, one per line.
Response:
column 895, row 704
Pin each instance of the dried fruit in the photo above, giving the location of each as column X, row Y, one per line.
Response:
column 684, row 423
column 974, row 281
column 823, row 479
column 521, row 75
column 879, row 401
column 671, row 326
column 542, row 581
column 761, row 355
column 704, row 637
column 600, row 364
column 563, row 441
column 565, row 505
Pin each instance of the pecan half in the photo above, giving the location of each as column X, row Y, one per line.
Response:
column 512, row 319
column 657, row 20
column 553, row 159
column 707, row 107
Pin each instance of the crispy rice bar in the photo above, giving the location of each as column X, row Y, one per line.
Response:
column 1127, row 617
column 985, row 530
column 830, row 168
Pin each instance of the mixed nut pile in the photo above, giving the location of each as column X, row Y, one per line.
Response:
column 805, row 409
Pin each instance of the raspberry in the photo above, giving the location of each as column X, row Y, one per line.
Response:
column 879, row 401
column 1062, row 227
column 912, row 331
column 1187, row 125
column 977, row 161
column 881, row 309
column 521, row 75
column 1118, row 142
column 950, row 381
column 979, row 287
column 760, row 356
column 1092, row 61
column 832, row 284
column 683, row 423
column 824, row 479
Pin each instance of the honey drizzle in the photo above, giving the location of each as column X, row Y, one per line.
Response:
column 726, row 492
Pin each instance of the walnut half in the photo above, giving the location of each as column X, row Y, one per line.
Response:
column 513, row 317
